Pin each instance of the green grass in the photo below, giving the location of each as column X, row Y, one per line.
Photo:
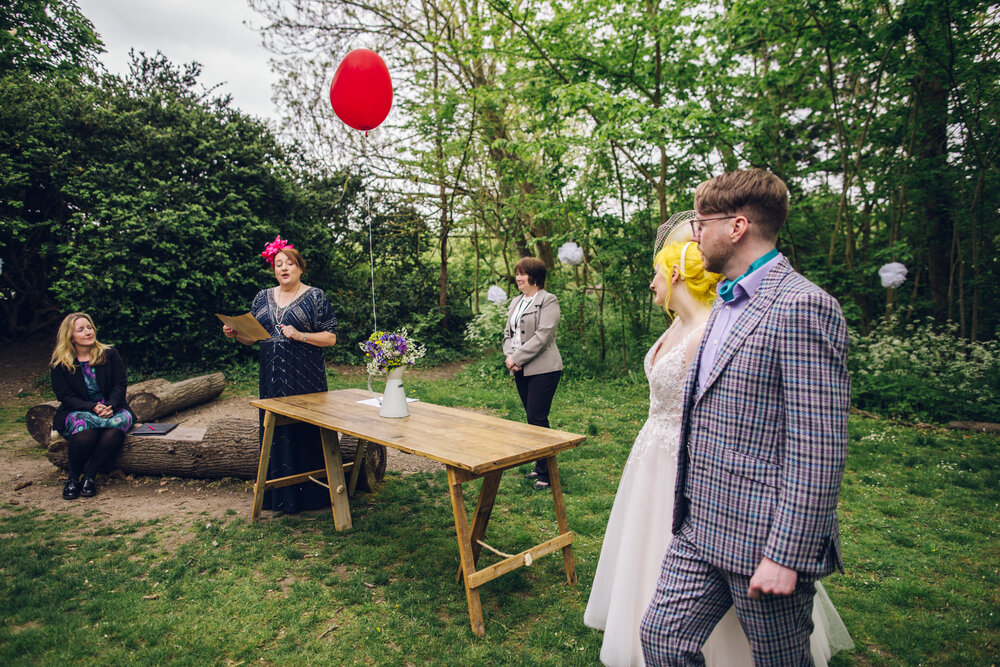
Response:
column 918, row 517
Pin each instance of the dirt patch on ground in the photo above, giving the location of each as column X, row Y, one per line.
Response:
column 22, row 367
column 27, row 478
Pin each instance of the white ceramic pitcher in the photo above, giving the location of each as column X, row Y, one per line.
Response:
column 393, row 400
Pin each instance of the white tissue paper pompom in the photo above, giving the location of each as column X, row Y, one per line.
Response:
column 496, row 294
column 570, row 253
column 892, row 274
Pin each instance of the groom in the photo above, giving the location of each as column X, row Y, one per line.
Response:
column 763, row 441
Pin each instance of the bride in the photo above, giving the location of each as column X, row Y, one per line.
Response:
column 638, row 530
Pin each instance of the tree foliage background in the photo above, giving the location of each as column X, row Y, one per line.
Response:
column 146, row 199
column 527, row 123
column 518, row 126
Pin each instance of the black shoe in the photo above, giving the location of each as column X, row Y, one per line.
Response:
column 71, row 490
column 541, row 484
column 87, row 488
column 532, row 475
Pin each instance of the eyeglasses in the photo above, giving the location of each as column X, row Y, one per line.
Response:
column 697, row 225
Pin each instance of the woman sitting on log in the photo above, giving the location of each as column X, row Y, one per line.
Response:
column 88, row 378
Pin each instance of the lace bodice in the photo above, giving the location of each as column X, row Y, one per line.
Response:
column 666, row 392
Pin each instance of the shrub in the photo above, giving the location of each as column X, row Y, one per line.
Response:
column 923, row 370
column 485, row 330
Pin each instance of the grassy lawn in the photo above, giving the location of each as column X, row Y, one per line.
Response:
column 919, row 512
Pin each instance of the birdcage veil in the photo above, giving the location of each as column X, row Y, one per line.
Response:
column 663, row 232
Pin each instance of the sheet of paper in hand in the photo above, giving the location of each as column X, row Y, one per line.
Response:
column 245, row 325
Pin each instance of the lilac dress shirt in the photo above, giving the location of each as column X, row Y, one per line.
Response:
column 729, row 313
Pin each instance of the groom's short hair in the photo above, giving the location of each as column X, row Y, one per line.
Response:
column 759, row 195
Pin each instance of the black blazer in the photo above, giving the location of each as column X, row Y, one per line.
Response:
column 71, row 389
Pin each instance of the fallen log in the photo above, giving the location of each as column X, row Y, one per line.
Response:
column 982, row 427
column 228, row 447
column 148, row 399
column 158, row 400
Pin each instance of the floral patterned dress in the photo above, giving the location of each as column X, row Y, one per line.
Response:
column 83, row 420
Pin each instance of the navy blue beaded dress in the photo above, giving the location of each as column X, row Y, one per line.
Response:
column 287, row 368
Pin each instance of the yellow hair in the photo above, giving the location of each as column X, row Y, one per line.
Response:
column 700, row 283
column 65, row 352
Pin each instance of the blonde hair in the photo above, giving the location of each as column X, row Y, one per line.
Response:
column 700, row 283
column 64, row 353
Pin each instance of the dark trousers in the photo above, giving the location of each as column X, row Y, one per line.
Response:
column 536, row 392
column 92, row 450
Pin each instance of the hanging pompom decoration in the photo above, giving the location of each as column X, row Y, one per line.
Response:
column 570, row 253
column 361, row 93
column 892, row 274
column 495, row 294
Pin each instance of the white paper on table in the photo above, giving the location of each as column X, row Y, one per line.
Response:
column 374, row 401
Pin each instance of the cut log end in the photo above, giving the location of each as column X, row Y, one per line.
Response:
column 38, row 421
column 372, row 467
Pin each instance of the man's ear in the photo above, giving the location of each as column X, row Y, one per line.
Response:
column 741, row 226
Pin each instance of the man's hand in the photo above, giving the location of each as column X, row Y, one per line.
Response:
column 770, row 578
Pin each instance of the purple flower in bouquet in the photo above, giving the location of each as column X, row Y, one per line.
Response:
column 385, row 350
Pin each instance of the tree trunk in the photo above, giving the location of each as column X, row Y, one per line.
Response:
column 931, row 191
column 140, row 395
column 229, row 447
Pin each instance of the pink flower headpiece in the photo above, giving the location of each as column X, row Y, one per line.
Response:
column 273, row 248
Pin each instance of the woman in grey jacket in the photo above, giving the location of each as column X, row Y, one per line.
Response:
column 529, row 341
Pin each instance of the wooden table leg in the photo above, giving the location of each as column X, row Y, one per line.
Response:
column 359, row 457
column 465, row 551
column 335, row 478
column 557, row 498
column 487, row 496
column 265, row 459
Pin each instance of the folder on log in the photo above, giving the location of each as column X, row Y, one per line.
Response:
column 153, row 429
column 245, row 325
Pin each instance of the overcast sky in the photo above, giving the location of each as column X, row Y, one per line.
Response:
column 212, row 32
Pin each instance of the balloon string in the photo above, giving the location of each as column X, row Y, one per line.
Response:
column 371, row 255
column 371, row 252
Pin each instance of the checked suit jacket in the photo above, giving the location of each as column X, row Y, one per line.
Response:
column 763, row 443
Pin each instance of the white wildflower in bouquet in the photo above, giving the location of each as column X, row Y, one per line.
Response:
column 386, row 350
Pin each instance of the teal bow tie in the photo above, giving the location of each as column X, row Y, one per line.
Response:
column 726, row 287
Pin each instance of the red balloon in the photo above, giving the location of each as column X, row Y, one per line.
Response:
column 361, row 93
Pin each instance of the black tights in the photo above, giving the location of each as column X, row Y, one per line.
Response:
column 93, row 449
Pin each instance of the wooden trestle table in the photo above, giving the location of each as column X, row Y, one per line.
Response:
column 470, row 445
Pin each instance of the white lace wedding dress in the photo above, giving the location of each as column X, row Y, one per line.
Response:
column 638, row 534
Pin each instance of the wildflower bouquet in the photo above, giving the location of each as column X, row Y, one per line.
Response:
column 386, row 350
